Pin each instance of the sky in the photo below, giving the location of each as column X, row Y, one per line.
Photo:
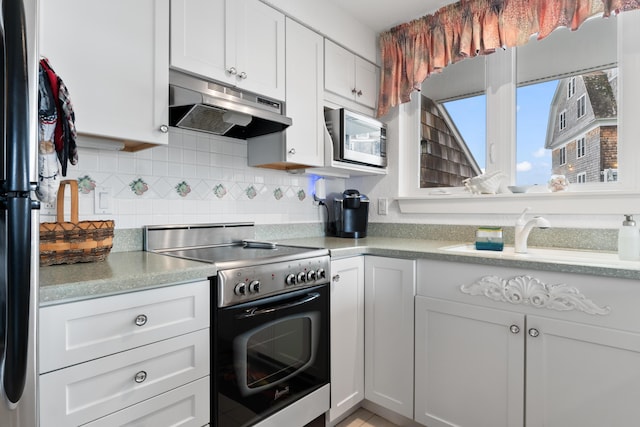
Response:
column 533, row 162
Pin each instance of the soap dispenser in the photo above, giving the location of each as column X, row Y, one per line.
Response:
column 629, row 240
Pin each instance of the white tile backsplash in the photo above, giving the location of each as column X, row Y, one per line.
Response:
column 218, row 185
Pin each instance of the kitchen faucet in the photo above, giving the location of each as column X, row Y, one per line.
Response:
column 523, row 228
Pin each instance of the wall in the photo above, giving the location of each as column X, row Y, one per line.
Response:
column 218, row 186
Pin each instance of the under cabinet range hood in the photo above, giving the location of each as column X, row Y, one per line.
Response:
column 204, row 106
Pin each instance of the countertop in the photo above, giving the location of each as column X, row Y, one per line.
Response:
column 137, row 270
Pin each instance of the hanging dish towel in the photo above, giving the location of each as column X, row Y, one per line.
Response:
column 57, row 132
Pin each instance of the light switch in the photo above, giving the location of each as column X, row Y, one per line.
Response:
column 102, row 202
column 382, row 206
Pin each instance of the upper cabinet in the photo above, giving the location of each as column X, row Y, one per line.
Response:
column 114, row 59
column 349, row 75
column 236, row 42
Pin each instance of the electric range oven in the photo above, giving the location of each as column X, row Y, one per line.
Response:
column 269, row 323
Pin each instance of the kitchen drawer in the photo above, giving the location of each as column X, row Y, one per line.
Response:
column 85, row 392
column 80, row 331
column 186, row 406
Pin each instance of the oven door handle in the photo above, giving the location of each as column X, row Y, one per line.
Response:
column 257, row 312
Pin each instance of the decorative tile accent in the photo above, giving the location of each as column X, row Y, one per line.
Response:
column 251, row 192
column 138, row 186
column 183, row 189
column 86, row 184
column 220, row 191
column 301, row 195
column 278, row 194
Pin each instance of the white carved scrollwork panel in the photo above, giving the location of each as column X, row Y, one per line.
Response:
column 527, row 290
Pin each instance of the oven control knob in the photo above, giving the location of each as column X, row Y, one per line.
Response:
column 321, row 274
column 240, row 288
column 302, row 277
column 290, row 279
column 254, row 287
column 311, row 276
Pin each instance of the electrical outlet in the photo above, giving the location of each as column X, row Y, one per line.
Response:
column 47, row 208
column 382, row 206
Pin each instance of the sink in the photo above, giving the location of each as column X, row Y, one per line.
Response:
column 544, row 254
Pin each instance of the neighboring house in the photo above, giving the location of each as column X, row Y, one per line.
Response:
column 445, row 159
column 582, row 131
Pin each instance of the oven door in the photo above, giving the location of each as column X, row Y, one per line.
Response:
column 268, row 354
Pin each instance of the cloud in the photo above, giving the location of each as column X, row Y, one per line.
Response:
column 541, row 152
column 524, row 166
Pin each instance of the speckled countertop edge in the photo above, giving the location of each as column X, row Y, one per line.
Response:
column 137, row 270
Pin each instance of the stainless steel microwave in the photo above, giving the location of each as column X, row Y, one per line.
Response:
column 357, row 138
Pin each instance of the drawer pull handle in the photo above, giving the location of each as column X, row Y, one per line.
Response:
column 336, row 278
column 141, row 320
column 514, row 329
column 140, row 377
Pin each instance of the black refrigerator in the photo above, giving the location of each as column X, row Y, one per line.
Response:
column 19, row 215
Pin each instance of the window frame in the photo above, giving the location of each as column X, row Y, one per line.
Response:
column 501, row 84
column 563, row 155
column 571, row 87
column 581, row 146
column 581, row 178
column 581, row 106
column 562, row 120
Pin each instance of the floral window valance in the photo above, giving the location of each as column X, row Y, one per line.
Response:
column 411, row 52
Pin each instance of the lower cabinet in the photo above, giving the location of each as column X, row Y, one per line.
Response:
column 140, row 358
column 347, row 335
column 499, row 346
column 390, row 286
column 372, row 333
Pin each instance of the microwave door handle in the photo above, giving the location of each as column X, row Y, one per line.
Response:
column 252, row 312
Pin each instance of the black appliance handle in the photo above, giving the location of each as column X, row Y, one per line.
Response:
column 15, row 197
column 252, row 312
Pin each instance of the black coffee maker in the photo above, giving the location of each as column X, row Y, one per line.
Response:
column 348, row 214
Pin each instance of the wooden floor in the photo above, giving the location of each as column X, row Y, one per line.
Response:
column 364, row 418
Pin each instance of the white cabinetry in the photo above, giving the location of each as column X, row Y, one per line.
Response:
column 305, row 71
column 236, row 42
column 477, row 326
column 350, row 76
column 389, row 297
column 125, row 358
column 113, row 57
column 347, row 335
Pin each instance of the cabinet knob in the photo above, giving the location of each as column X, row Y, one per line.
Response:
column 359, row 93
column 354, row 91
column 336, row 278
column 141, row 320
column 242, row 75
column 232, row 71
column 292, row 151
column 515, row 329
column 533, row 332
column 140, row 377
column 164, row 128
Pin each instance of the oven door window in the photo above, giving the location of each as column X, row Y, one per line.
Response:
column 276, row 351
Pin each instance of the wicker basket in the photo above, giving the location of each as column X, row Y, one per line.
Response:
column 65, row 242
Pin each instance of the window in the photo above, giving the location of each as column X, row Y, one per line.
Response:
column 571, row 87
column 508, row 76
column 580, row 147
column 562, row 156
column 562, row 120
column 582, row 106
column 581, row 178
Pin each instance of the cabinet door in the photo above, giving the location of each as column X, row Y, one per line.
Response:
column 339, row 76
column 199, row 38
column 305, row 70
column 366, row 82
column 389, row 294
column 113, row 56
column 347, row 335
column 581, row 375
column 469, row 365
column 259, row 39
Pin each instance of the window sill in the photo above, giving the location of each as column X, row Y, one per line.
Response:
column 574, row 203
